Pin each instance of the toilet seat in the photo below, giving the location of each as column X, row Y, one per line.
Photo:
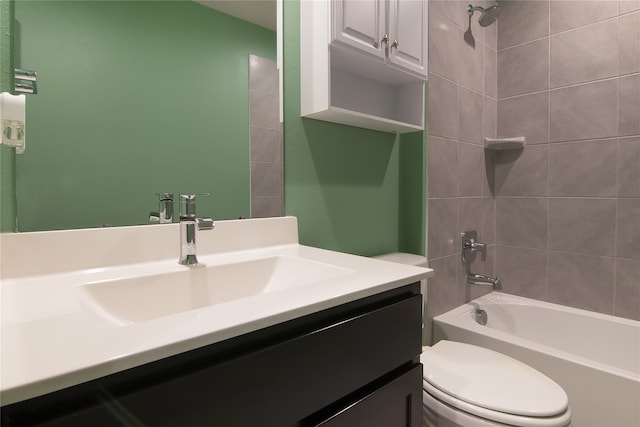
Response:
column 493, row 386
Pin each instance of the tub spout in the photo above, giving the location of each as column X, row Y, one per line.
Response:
column 482, row 280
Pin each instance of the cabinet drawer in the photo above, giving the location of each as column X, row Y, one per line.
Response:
column 397, row 403
column 277, row 383
column 284, row 383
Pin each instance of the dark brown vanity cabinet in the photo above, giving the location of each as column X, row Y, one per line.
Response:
column 353, row 365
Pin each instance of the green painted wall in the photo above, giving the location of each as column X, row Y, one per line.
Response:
column 135, row 98
column 413, row 197
column 343, row 183
column 7, row 154
column 6, row 37
column 353, row 190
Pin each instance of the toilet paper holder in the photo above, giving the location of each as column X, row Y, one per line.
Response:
column 25, row 81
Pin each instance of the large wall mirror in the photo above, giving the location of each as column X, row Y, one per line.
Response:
column 137, row 98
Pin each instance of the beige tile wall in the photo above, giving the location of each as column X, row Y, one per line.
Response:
column 568, row 205
column 462, row 109
column 265, row 132
column 562, row 216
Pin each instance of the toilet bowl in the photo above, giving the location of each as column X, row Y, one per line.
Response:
column 470, row 386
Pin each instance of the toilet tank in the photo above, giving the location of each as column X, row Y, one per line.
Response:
column 404, row 258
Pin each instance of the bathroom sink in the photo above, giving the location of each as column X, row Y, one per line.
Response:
column 142, row 298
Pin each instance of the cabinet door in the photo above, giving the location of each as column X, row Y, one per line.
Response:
column 395, row 404
column 360, row 24
column 408, row 34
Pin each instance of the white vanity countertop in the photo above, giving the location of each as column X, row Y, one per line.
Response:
column 51, row 339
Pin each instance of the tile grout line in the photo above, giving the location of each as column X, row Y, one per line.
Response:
column 611, row 18
column 559, row 88
column 615, row 228
column 547, row 253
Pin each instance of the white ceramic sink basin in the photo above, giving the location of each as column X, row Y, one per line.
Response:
column 138, row 299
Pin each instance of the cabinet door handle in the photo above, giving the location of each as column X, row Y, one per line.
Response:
column 395, row 44
column 385, row 40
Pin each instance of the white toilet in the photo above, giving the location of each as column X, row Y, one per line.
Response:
column 467, row 386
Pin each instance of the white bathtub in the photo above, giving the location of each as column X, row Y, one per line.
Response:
column 594, row 357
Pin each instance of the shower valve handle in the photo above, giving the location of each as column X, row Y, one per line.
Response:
column 470, row 245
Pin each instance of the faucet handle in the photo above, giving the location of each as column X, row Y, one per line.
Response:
column 205, row 223
column 192, row 196
column 481, row 247
column 188, row 203
column 471, row 245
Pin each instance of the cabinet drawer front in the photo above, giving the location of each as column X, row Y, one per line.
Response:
column 284, row 377
column 285, row 383
column 398, row 403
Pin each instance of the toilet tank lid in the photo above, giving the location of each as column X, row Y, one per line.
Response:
column 404, row 258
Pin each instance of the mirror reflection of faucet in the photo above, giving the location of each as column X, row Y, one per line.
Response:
column 165, row 209
column 188, row 224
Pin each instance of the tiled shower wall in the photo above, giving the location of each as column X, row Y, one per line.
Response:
column 265, row 129
column 567, row 207
column 462, row 102
column 562, row 216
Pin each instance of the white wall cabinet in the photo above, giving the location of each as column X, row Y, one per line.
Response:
column 361, row 24
column 407, row 26
column 364, row 62
column 392, row 30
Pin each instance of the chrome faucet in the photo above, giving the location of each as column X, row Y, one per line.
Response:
column 188, row 223
column 165, row 209
column 482, row 280
column 470, row 246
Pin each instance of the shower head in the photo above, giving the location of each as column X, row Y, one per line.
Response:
column 489, row 15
